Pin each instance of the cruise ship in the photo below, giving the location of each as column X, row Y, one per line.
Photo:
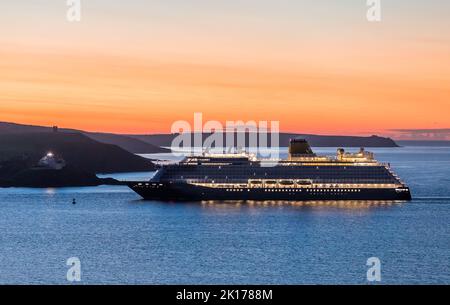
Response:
column 303, row 176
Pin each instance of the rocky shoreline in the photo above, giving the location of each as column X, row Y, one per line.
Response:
column 66, row 177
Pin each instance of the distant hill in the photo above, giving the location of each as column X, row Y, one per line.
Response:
column 165, row 140
column 130, row 144
column 77, row 149
column 6, row 127
column 154, row 143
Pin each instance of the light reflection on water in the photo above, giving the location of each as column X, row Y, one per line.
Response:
column 343, row 204
column 121, row 238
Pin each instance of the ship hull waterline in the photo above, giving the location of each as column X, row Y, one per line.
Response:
column 188, row 192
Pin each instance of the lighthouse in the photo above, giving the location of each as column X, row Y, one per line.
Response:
column 50, row 161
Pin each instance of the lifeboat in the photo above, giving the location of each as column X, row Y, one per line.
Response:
column 255, row 181
column 304, row 182
column 286, row 182
column 271, row 182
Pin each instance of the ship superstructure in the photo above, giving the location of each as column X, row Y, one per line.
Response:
column 302, row 176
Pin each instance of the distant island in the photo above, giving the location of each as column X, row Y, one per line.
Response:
column 165, row 140
column 434, row 143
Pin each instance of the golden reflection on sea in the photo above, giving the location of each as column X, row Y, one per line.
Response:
column 343, row 204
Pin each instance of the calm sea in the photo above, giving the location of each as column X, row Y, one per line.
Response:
column 120, row 238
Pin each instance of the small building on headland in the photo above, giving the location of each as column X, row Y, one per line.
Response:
column 50, row 161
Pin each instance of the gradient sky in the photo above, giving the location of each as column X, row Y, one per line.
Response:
column 316, row 66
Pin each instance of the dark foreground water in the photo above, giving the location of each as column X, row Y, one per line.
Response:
column 122, row 239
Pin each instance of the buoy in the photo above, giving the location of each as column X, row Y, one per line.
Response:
column 73, row 201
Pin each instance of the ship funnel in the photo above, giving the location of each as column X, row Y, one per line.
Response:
column 299, row 148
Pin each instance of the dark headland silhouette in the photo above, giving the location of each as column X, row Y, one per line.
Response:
column 84, row 157
column 130, row 144
column 165, row 140
column 155, row 143
column 86, row 154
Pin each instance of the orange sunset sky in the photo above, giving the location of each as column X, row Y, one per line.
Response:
column 315, row 66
